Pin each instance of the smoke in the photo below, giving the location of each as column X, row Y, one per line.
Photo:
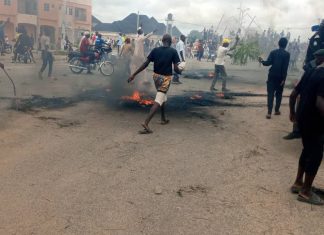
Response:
column 316, row 8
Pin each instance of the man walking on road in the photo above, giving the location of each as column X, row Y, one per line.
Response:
column 163, row 58
column 220, row 72
column 279, row 62
column 182, row 55
column 47, row 56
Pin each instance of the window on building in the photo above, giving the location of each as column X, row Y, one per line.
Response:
column 7, row 2
column 81, row 14
column 69, row 11
column 46, row 7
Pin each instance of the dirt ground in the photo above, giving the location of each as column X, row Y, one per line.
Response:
column 84, row 169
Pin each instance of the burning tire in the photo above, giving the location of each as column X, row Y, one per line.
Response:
column 75, row 66
column 106, row 68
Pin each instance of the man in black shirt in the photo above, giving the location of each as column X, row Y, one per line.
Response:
column 163, row 58
column 279, row 61
column 310, row 119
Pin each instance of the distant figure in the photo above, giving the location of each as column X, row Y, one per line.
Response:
column 180, row 47
column 2, row 35
column 119, row 42
column 279, row 62
column 126, row 53
column 139, row 56
column 47, row 56
column 220, row 71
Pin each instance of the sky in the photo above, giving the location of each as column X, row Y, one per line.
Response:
column 296, row 16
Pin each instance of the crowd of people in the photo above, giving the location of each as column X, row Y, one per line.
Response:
column 169, row 56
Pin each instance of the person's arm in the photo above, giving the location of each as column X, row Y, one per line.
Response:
column 285, row 69
column 149, row 34
column 292, row 105
column 267, row 62
column 143, row 66
column 182, row 57
column 237, row 39
column 320, row 105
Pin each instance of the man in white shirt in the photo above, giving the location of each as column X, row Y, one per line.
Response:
column 220, row 72
column 180, row 47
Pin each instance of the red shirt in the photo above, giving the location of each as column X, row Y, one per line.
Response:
column 84, row 47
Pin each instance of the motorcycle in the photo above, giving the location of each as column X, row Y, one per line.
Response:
column 79, row 63
column 25, row 55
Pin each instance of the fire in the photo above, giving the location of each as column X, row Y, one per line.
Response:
column 196, row 97
column 220, row 95
column 137, row 98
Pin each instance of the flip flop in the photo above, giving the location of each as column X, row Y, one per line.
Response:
column 145, row 131
column 295, row 189
column 166, row 122
column 318, row 191
column 314, row 199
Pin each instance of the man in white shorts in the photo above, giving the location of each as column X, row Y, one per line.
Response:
column 163, row 58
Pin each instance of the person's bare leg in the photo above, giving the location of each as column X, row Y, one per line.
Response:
column 153, row 110
column 300, row 177
column 307, row 186
column 164, row 121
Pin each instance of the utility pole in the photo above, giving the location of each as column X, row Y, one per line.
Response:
column 137, row 26
column 64, row 11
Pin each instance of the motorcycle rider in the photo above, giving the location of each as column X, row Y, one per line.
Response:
column 21, row 44
column 86, row 51
column 2, row 36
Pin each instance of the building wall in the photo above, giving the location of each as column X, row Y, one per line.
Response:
column 52, row 18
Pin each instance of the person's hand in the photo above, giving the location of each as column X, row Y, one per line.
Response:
column 292, row 117
column 131, row 78
column 2, row 65
column 260, row 59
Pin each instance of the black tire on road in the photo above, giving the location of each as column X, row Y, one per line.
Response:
column 106, row 68
column 76, row 62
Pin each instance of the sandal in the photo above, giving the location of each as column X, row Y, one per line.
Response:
column 146, row 130
column 314, row 199
column 166, row 122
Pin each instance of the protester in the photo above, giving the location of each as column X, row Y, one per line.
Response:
column 220, row 71
column 163, row 58
column 47, row 56
column 119, row 42
column 2, row 34
column 139, row 57
column 126, row 54
column 180, row 47
column 86, row 50
column 279, row 62
column 200, row 50
column 310, row 118
column 22, row 44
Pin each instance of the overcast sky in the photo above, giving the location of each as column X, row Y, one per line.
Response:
column 298, row 15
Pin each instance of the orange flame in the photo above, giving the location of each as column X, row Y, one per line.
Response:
column 196, row 97
column 137, row 98
column 220, row 95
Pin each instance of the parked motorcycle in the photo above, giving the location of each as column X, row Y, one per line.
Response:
column 79, row 63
